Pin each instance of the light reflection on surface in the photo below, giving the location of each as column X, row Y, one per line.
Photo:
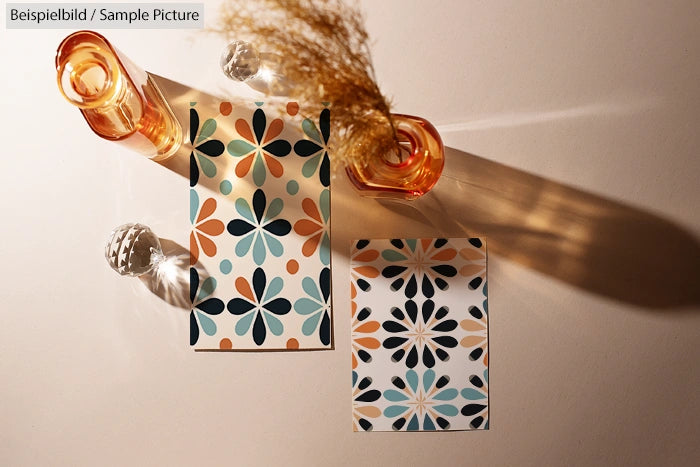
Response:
column 171, row 279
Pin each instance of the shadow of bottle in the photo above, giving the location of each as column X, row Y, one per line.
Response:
column 596, row 244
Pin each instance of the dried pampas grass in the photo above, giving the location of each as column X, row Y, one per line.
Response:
column 326, row 58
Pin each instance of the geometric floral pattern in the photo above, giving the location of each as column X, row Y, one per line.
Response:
column 203, row 147
column 260, row 237
column 419, row 334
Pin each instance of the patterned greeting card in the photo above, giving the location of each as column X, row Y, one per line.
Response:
column 419, row 335
column 259, row 244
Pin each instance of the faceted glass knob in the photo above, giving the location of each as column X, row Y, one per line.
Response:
column 133, row 250
column 239, row 60
column 262, row 72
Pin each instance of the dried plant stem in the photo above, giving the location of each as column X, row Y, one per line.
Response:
column 326, row 57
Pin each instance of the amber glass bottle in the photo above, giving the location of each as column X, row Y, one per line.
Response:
column 409, row 173
column 119, row 100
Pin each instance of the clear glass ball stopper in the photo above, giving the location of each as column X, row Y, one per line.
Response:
column 133, row 250
column 240, row 60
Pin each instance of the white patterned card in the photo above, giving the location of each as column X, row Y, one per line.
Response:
column 259, row 244
column 419, row 335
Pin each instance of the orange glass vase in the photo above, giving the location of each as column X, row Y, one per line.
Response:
column 411, row 172
column 119, row 100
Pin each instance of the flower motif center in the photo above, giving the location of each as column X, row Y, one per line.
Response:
column 420, row 334
column 421, row 403
column 419, row 263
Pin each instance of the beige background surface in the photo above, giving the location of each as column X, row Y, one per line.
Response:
column 574, row 129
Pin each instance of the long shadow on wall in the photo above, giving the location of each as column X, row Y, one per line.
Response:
column 588, row 241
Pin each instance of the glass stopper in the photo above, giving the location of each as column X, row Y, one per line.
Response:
column 239, row 60
column 133, row 250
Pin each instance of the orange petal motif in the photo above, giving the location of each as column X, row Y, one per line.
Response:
column 472, row 269
column 194, row 249
column 470, row 325
column 369, row 411
column 354, row 361
column 273, row 130
column 274, row 166
column 368, row 327
column 310, row 245
column 425, row 242
column 243, row 129
column 207, row 210
column 445, row 254
column 243, row 288
column 367, row 342
column 471, row 253
column 208, row 245
column 367, row 271
column 211, row 227
column 305, row 227
column 310, row 209
column 367, row 256
column 472, row 341
column 244, row 166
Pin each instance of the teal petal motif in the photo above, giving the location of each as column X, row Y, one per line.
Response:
column 208, row 167
column 324, row 204
column 393, row 255
column 472, row 394
column 395, row 410
column 309, row 167
column 243, row 208
column 412, row 380
column 393, row 395
column 446, row 409
column 244, row 323
column 274, row 245
column 243, row 246
column 428, row 378
column 311, row 131
column 446, row 395
column 414, row 424
column 412, row 242
column 259, row 170
column 324, row 251
column 485, row 291
column 310, row 324
column 273, row 288
column 305, row 306
column 275, row 325
column 208, row 129
column 194, row 205
column 259, row 250
column 238, row 148
column 309, row 286
column 428, row 424
column 207, row 288
column 274, row 209
column 208, row 325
